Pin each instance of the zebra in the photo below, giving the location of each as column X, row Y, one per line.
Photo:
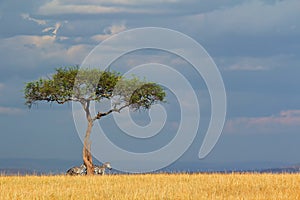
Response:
column 101, row 169
column 77, row 170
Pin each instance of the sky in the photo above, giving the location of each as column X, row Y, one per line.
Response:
column 254, row 43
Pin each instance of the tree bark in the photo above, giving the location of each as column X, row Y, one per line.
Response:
column 86, row 154
column 86, row 151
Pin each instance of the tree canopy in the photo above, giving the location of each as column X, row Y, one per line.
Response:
column 86, row 85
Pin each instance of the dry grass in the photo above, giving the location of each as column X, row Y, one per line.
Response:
column 152, row 186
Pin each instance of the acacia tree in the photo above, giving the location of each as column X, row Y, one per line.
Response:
column 86, row 85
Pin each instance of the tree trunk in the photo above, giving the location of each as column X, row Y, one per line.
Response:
column 86, row 151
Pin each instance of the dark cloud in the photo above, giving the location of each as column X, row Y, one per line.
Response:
column 255, row 44
column 125, row 9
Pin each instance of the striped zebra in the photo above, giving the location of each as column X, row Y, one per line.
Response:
column 77, row 170
column 101, row 169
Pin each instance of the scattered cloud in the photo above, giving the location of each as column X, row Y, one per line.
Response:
column 247, row 68
column 285, row 121
column 254, row 63
column 77, row 53
column 130, row 1
column 250, row 18
column 53, row 29
column 40, row 51
column 109, row 31
column 10, row 111
column 38, row 21
column 113, row 29
column 56, row 7
column 100, row 37
column 62, row 7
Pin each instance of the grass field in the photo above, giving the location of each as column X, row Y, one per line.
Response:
column 152, row 186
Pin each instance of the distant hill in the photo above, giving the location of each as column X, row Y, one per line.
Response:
column 36, row 166
column 15, row 171
column 59, row 166
column 291, row 169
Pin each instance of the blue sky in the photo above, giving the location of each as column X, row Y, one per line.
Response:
column 255, row 44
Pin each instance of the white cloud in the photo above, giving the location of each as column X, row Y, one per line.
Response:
column 38, row 21
column 64, row 7
column 109, row 31
column 250, row 18
column 58, row 7
column 248, row 63
column 53, row 29
column 135, row 2
column 247, row 67
column 77, row 53
column 100, row 37
column 38, row 50
column 10, row 111
column 284, row 122
column 113, row 29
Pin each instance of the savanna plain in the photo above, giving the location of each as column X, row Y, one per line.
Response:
column 152, row 186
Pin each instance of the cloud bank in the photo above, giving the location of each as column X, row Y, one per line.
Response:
column 286, row 121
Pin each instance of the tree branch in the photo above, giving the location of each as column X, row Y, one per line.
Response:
column 102, row 114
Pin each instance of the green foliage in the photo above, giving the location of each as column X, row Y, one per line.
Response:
column 138, row 94
column 85, row 85
column 59, row 88
column 94, row 85
column 146, row 95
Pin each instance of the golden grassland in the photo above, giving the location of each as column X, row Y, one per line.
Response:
column 152, row 186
